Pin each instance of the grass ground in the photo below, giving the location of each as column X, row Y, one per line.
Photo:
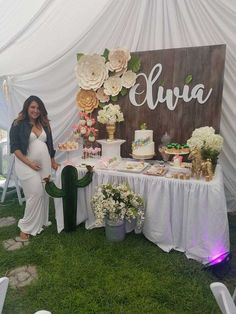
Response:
column 81, row 272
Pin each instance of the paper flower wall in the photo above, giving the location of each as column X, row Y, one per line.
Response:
column 104, row 78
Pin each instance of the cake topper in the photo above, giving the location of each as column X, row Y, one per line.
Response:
column 143, row 126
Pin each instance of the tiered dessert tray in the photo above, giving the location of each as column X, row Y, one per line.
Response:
column 176, row 153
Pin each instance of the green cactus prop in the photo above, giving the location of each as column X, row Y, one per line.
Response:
column 68, row 192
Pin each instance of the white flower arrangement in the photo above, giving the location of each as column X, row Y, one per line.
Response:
column 116, row 203
column 109, row 75
column 209, row 143
column 206, row 137
column 110, row 114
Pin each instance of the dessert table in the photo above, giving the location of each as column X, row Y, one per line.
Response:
column 186, row 215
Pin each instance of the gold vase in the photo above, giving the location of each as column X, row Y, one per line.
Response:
column 111, row 128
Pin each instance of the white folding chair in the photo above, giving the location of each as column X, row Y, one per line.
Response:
column 4, row 281
column 223, row 298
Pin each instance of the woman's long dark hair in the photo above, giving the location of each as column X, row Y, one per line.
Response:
column 43, row 117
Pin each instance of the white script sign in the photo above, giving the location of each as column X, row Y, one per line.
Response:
column 170, row 96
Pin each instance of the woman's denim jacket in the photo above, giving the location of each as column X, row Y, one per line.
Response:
column 19, row 137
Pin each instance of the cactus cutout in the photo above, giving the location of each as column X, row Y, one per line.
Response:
column 68, row 192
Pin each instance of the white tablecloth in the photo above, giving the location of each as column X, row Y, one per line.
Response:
column 186, row 215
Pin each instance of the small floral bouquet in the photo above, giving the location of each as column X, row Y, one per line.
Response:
column 110, row 114
column 116, row 203
column 102, row 78
column 209, row 143
column 85, row 127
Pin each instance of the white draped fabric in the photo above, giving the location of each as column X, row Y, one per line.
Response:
column 186, row 215
column 38, row 50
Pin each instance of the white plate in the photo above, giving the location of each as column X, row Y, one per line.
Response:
column 108, row 163
column 85, row 163
column 132, row 166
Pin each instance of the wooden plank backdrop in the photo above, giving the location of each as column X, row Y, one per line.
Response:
column 204, row 64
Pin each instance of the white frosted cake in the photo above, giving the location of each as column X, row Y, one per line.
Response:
column 143, row 145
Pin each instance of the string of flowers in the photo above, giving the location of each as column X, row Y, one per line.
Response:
column 85, row 127
column 141, row 142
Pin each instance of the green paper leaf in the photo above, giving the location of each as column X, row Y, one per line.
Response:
column 114, row 98
column 134, row 64
column 124, row 91
column 188, row 79
column 162, row 83
column 79, row 55
column 101, row 105
column 105, row 54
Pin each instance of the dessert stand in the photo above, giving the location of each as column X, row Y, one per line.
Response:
column 176, row 154
column 67, row 151
column 111, row 148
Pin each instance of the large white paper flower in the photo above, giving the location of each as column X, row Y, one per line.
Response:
column 91, row 71
column 128, row 79
column 118, row 59
column 112, row 86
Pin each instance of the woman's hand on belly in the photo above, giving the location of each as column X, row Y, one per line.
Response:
column 30, row 163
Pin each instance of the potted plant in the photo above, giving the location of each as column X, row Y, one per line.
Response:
column 112, row 204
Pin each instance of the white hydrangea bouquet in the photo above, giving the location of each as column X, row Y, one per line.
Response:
column 102, row 78
column 116, row 203
column 209, row 143
column 110, row 114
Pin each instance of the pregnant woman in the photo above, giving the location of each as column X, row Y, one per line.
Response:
column 31, row 142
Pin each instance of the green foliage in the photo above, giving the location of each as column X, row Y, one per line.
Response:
column 162, row 83
column 105, row 54
column 124, row 91
column 188, row 79
column 209, row 153
column 134, row 64
column 114, row 98
column 101, row 105
column 79, row 55
column 143, row 126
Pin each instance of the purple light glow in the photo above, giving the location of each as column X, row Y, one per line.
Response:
column 218, row 258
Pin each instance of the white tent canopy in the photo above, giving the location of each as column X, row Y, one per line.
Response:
column 39, row 40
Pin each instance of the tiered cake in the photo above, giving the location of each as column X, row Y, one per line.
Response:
column 143, row 145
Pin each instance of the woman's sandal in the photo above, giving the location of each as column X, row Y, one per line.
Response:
column 23, row 237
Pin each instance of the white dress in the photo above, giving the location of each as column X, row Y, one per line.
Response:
column 37, row 200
